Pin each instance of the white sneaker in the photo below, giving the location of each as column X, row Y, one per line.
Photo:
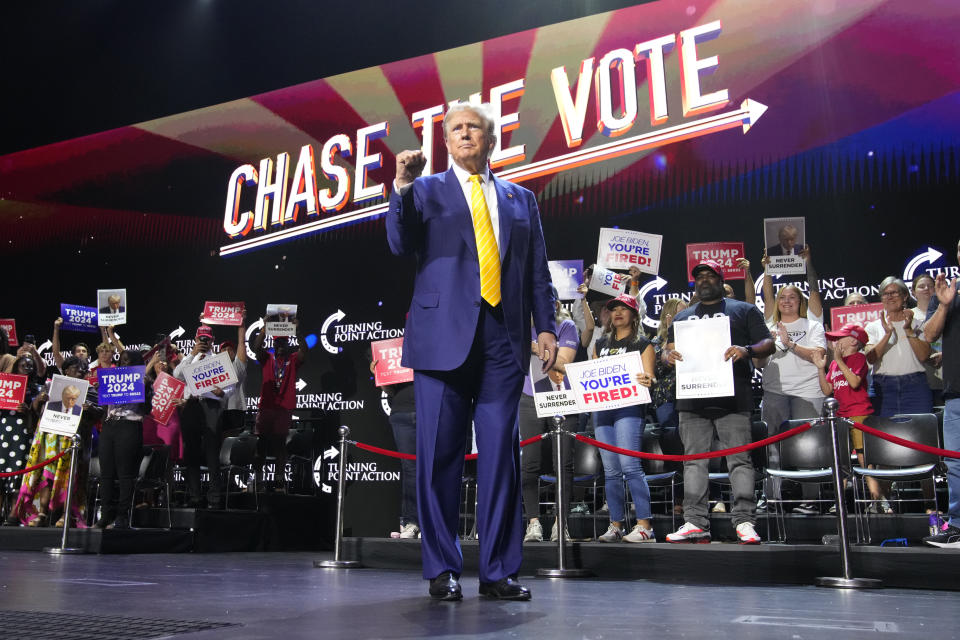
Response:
column 719, row 508
column 689, row 533
column 555, row 534
column 534, row 532
column 613, row 534
column 640, row 534
column 410, row 530
column 747, row 534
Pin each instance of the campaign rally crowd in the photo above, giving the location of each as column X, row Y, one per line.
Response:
column 191, row 430
column 904, row 362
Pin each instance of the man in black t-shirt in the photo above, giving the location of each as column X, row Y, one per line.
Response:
column 728, row 416
column 945, row 321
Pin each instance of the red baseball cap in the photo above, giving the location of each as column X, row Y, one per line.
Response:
column 851, row 329
column 227, row 343
column 204, row 330
column 713, row 265
column 626, row 300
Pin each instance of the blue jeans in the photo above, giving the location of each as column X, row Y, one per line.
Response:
column 951, row 440
column 667, row 416
column 909, row 393
column 623, row 428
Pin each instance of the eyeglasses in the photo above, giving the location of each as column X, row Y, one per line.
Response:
column 890, row 294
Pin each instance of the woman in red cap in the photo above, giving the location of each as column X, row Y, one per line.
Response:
column 623, row 427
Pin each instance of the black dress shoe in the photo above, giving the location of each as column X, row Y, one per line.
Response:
column 505, row 589
column 445, row 587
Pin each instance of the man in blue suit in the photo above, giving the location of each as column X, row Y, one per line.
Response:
column 481, row 276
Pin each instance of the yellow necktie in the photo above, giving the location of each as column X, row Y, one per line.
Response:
column 487, row 251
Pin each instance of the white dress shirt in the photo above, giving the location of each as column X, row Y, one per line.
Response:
column 489, row 193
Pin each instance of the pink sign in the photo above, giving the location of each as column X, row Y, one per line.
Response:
column 387, row 355
column 726, row 253
column 859, row 313
column 12, row 389
column 166, row 389
column 227, row 313
column 10, row 326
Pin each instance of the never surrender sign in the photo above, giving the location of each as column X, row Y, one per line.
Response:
column 79, row 318
column 622, row 249
column 13, row 387
column 858, row 313
column 121, row 385
column 212, row 372
column 726, row 253
column 166, row 391
column 387, row 354
column 224, row 313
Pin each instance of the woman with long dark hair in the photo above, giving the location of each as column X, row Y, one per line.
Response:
column 624, row 427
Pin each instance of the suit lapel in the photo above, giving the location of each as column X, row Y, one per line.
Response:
column 505, row 211
column 460, row 209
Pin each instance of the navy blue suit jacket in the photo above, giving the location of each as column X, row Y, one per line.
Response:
column 432, row 221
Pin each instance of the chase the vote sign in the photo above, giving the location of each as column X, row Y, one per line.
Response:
column 607, row 383
column 212, row 372
column 121, row 385
column 622, row 249
column 13, row 387
column 79, row 318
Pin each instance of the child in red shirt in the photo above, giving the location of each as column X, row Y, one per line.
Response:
column 846, row 380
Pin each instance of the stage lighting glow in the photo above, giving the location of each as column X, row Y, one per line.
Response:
column 311, row 340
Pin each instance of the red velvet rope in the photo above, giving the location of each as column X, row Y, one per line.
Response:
column 946, row 453
column 697, row 456
column 384, row 452
column 34, row 467
column 410, row 456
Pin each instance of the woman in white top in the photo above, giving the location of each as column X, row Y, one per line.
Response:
column 791, row 384
column 897, row 352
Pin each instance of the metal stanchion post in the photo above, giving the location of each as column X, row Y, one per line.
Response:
column 337, row 562
column 845, row 582
column 63, row 549
column 558, row 434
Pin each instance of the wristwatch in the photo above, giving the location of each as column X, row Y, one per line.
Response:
column 749, row 349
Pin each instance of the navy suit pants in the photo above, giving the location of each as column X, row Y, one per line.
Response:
column 487, row 388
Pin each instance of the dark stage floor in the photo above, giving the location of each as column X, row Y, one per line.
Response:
column 281, row 595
